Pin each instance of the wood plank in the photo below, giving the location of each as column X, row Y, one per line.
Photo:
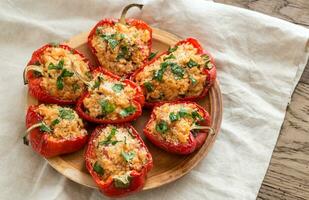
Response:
column 288, row 173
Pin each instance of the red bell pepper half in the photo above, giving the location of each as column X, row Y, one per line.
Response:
column 110, row 184
column 33, row 79
column 209, row 70
column 178, row 127
column 124, row 51
column 39, row 135
column 132, row 113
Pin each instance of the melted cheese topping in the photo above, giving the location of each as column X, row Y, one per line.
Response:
column 73, row 87
column 64, row 122
column 111, row 99
column 111, row 155
column 121, row 48
column 182, row 80
column 178, row 131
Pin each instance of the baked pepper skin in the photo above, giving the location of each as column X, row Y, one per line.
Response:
column 139, row 100
column 194, row 142
column 43, row 145
column 139, row 24
column 35, row 89
column 107, row 187
column 211, row 73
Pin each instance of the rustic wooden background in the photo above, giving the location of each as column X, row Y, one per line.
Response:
column 288, row 173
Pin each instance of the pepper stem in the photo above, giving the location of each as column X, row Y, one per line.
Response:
column 125, row 10
column 25, row 138
column 210, row 129
column 28, row 68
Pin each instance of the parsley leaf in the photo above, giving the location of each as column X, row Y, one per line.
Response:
column 107, row 107
column 174, row 116
column 55, row 122
column 64, row 73
column 123, row 53
column 191, row 63
column 183, row 113
column 45, row 128
column 97, row 82
column 108, row 139
column 128, row 156
column 178, row 71
column 193, row 80
column 97, row 168
column 127, row 111
column 59, row 66
column 111, row 40
column 152, row 55
column 196, row 115
column 148, row 86
column 158, row 75
column 171, row 50
column 162, row 126
column 66, row 113
column 171, row 56
column 118, row 87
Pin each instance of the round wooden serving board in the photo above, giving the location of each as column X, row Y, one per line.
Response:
column 167, row 167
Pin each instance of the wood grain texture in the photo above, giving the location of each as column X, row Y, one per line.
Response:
column 288, row 173
column 167, row 167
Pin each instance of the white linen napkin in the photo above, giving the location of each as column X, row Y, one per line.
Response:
column 259, row 61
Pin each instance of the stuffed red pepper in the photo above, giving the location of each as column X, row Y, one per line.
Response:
column 117, row 159
column 184, row 72
column 50, row 74
column 110, row 99
column 179, row 127
column 53, row 130
column 121, row 46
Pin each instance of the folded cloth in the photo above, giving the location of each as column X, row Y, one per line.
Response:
column 259, row 61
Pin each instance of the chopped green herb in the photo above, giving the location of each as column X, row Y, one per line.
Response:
column 162, row 126
column 118, row 87
column 148, row 86
column 45, row 128
column 122, row 181
column 128, row 156
column 152, row 55
column 97, row 82
column 158, row 75
column 97, row 168
column 193, row 80
column 183, row 113
column 66, row 113
column 171, row 56
column 123, row 53
column 108, row 139
column 111, row 40
column 171, row 50
column 107, row 107
column 75, row 87
column 174, row 116
column 55, row 122
column 127, row 111
column 208, row 63
column 196, row 115
column 88, row 74
column 178, row 71
column 191, row 63
column 59, row 66
column 64, row 73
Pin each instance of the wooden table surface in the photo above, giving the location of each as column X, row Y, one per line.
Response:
column 288, row 173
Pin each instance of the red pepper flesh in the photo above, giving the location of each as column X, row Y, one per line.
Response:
column 138, row 101
column 35, row 89
column 44, row 145
column 194, row 142
column 211, row 73
column 107, row 187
